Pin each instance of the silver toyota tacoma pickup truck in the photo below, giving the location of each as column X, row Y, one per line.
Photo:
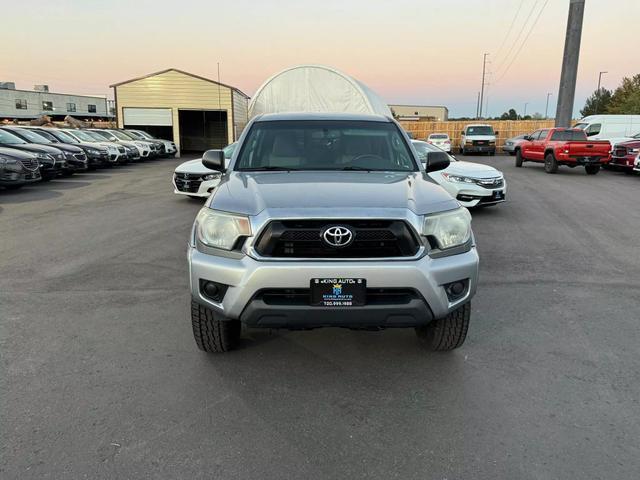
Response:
column 330, row 220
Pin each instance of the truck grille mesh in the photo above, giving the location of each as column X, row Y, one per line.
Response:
column 304, row 239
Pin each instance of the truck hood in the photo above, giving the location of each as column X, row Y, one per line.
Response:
column 475, row 170
column 252, row 192
column 627, row 142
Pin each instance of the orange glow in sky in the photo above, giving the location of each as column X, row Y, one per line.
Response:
column 418, row 51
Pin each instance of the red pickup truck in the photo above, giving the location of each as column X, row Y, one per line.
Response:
column 563, row 146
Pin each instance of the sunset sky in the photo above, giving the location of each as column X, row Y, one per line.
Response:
column 409, row 51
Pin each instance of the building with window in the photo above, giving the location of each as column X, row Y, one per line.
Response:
column 420, row 112
column 29, row 104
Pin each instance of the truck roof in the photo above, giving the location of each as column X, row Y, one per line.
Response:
column 297, row 116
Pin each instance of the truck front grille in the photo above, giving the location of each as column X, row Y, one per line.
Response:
column 620, row 152
column 304, row 239
column 302, row 296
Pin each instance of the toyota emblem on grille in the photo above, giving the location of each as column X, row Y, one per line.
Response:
column 338, row 236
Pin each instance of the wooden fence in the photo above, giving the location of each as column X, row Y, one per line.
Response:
column 420, row 130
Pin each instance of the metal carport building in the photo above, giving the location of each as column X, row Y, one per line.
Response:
column 195, row 112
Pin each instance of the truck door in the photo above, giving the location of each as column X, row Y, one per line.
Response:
column 528, row 147
column 539, row 144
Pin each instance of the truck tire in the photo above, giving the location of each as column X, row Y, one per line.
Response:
column 550, row 163
column 212, row 333
column 519, row 159
column 447, row 333
column 592, row 169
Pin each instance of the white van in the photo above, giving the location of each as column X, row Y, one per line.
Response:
column 609, row 127
column 478, row 138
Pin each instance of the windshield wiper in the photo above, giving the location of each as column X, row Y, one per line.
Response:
column 363, row 169
column 269, row 168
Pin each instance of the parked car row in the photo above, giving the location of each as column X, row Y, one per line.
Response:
column 30, row 153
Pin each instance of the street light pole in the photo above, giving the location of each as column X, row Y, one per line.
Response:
column 598, row 91
column 525, row 109
column 546, row 109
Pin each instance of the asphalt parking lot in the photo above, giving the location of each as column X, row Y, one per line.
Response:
column 102, row 379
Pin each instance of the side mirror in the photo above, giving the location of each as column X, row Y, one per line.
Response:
column 462, row 132
column 214, row 159
column 496, row 133
column 527, row 138
column 437, row 161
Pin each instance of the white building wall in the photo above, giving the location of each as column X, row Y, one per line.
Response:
column 34, row 104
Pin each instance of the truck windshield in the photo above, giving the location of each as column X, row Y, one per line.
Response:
column 325, row 145
column 480, row 130
column 568, row 135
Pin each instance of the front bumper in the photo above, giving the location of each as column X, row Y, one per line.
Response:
column 622, row 163
column 246, row 277
column 22, row 177
column 473, row 195
column 195, row 187
column 479, row 148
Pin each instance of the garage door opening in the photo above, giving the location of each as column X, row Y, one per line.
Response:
column 202, row 130
column 158, row 131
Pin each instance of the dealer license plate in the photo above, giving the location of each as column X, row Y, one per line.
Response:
column 338, row 292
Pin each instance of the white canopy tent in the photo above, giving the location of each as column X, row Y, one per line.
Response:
column 315, row 88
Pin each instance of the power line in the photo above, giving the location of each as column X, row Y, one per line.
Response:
column 515, row 42
column 513, row 21
column 533, row 25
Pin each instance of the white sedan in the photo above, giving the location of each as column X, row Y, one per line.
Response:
column 440, row 140
column 194, row 180
column 472, row 184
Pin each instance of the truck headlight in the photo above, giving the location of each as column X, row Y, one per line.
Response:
column 448, row 229
column 458, row 178
column 468, row 142
column 221, row 230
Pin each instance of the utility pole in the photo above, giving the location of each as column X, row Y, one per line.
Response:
column 598, row 91
column 567, row 90
column 525, row 109
column 478, row 107
column 484, row 68
column 546, row 109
